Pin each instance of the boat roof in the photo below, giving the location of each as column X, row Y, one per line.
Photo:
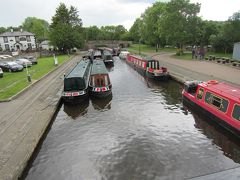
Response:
column 98, row 67
column 223, row 89
column 79, row 69
column 146, row 58
column 106, row 53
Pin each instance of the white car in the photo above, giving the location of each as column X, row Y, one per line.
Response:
column 123, row 54
column 24, row 62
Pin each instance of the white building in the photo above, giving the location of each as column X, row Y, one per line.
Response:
column 17, row 40
column 45, row 45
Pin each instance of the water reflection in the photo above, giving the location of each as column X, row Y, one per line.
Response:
column 110, row 67
column 228, row 143
column 76, row 110
column 103, row 104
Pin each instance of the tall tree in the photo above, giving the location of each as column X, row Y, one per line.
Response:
column 179, row 21
column 135, row 30
column 37, row 26
column 66, row 28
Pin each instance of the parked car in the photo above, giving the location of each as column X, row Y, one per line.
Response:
column 123, row 54
column 31, row 58
column 1, row 73
column 24, row 62
column 10, row 66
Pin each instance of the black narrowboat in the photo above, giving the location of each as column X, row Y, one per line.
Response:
column 99, row 83
column 107, row 58
column 76, row 83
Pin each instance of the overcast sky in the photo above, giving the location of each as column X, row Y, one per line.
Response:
column 103, row 12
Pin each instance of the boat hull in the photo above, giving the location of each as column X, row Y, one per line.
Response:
column 76, row 99
column 200, row 110
column 101, row 94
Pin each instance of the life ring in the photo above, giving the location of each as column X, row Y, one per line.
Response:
column 212, row 82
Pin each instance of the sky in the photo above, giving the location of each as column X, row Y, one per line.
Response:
column 104, row 12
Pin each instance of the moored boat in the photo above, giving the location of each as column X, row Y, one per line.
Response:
column 99, row 84
column 219, row 101
column 148, row 66
column 107, row 58
column 76, row 83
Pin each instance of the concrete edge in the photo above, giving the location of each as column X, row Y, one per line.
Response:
column 32, row 84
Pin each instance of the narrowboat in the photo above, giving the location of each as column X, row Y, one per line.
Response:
column 107, row 58
column 148, row 66
column 88, row 55
column 99, row 83
column 217, row 100
column 97, row 54
column 76, row 83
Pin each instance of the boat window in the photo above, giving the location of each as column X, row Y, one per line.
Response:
column 156, row 64
column 236, row 112
column 200, row 93
column 216, row 101
column 153, row 65
column 149, row 64
column 74, row 84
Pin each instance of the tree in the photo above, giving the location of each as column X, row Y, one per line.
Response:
column 136, row 29
column 179, row 21
column 37, row 26
column 66, row 28
column 2, row 30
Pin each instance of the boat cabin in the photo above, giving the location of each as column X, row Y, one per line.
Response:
column 97, row 54
column 99, row 84
column 76, row 81
column 107, row 57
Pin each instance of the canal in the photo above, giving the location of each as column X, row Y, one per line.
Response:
column 142, row 132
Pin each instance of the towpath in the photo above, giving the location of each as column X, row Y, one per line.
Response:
column 198, row 70
column 24, row 120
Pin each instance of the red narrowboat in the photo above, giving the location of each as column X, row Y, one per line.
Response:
column 219, row 101
column 148, row 66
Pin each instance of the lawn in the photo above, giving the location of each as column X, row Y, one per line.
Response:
column 134, row 48
column 188, row 56
column 14, row 82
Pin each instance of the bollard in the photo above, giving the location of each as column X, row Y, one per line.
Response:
column 29, row 78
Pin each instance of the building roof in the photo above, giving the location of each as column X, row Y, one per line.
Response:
column 98, row 67
column 45, row 42
column 17, row 33
column 79, row 69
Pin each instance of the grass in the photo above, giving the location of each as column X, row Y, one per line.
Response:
column 14, row 82
column 188, row 56
column 134, row 48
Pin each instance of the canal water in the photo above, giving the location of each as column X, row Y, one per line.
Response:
column 142, row 132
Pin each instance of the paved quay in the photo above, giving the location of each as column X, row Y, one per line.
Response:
column 24, row 120
column 198, row 70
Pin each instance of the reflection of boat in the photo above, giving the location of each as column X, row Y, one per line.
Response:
column 100, row 85
column 76, row 82
column 76, row 110
column 102, row 104
column 148, row 66
column 229, row 144
column 219, row 101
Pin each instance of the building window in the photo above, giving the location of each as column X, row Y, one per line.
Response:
column 22, row 39
column 28, row 39
column 29, row 46
column 236, row 112
column 5, row 39
column 7, row 47
column 17, row 39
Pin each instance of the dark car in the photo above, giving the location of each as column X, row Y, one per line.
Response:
column 32, row 59
column 11, row 66
column 1, row 73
